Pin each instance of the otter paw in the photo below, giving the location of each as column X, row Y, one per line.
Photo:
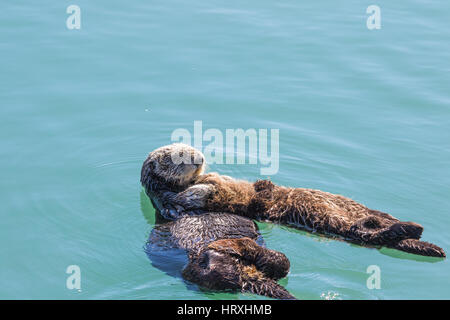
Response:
column 172, row 212
column 234, row 246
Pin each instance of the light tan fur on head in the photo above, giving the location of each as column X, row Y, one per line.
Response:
column 175, row 164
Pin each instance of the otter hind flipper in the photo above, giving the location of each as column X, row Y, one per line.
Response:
column 406, row 230
column 377, row 230
column 423, row 248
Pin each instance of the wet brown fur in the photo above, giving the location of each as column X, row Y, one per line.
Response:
column 312, row 210
column 315, row 211
column 239, row 264
column 223, row 254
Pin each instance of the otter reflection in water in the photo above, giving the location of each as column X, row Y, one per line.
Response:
column 223, row 254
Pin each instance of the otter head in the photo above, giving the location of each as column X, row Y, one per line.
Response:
column 229, row 264
column 174, row 167
column 214, row 270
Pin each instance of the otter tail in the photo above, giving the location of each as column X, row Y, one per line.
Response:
column 267, row 287
column 423, row 248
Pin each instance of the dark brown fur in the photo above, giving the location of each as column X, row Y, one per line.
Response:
column 223, row 254
column 239, row 264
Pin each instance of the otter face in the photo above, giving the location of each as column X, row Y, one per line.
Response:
column 176, row 164
column 214, row 270
column 230, row 264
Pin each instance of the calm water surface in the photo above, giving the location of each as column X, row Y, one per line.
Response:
column 361, row 113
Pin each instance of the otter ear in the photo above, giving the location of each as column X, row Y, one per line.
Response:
column 263, row 185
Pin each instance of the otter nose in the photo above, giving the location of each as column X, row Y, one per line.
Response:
column 198, row 160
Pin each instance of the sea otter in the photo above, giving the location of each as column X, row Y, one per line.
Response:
column 223, row 254
column 173, row 178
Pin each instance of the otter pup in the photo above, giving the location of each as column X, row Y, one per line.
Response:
column 173, row 178
column 223, row 254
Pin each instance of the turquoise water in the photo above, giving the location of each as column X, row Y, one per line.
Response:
column 364, row 113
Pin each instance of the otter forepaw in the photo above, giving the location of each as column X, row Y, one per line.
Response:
column 172, row 212
column 234, row 246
